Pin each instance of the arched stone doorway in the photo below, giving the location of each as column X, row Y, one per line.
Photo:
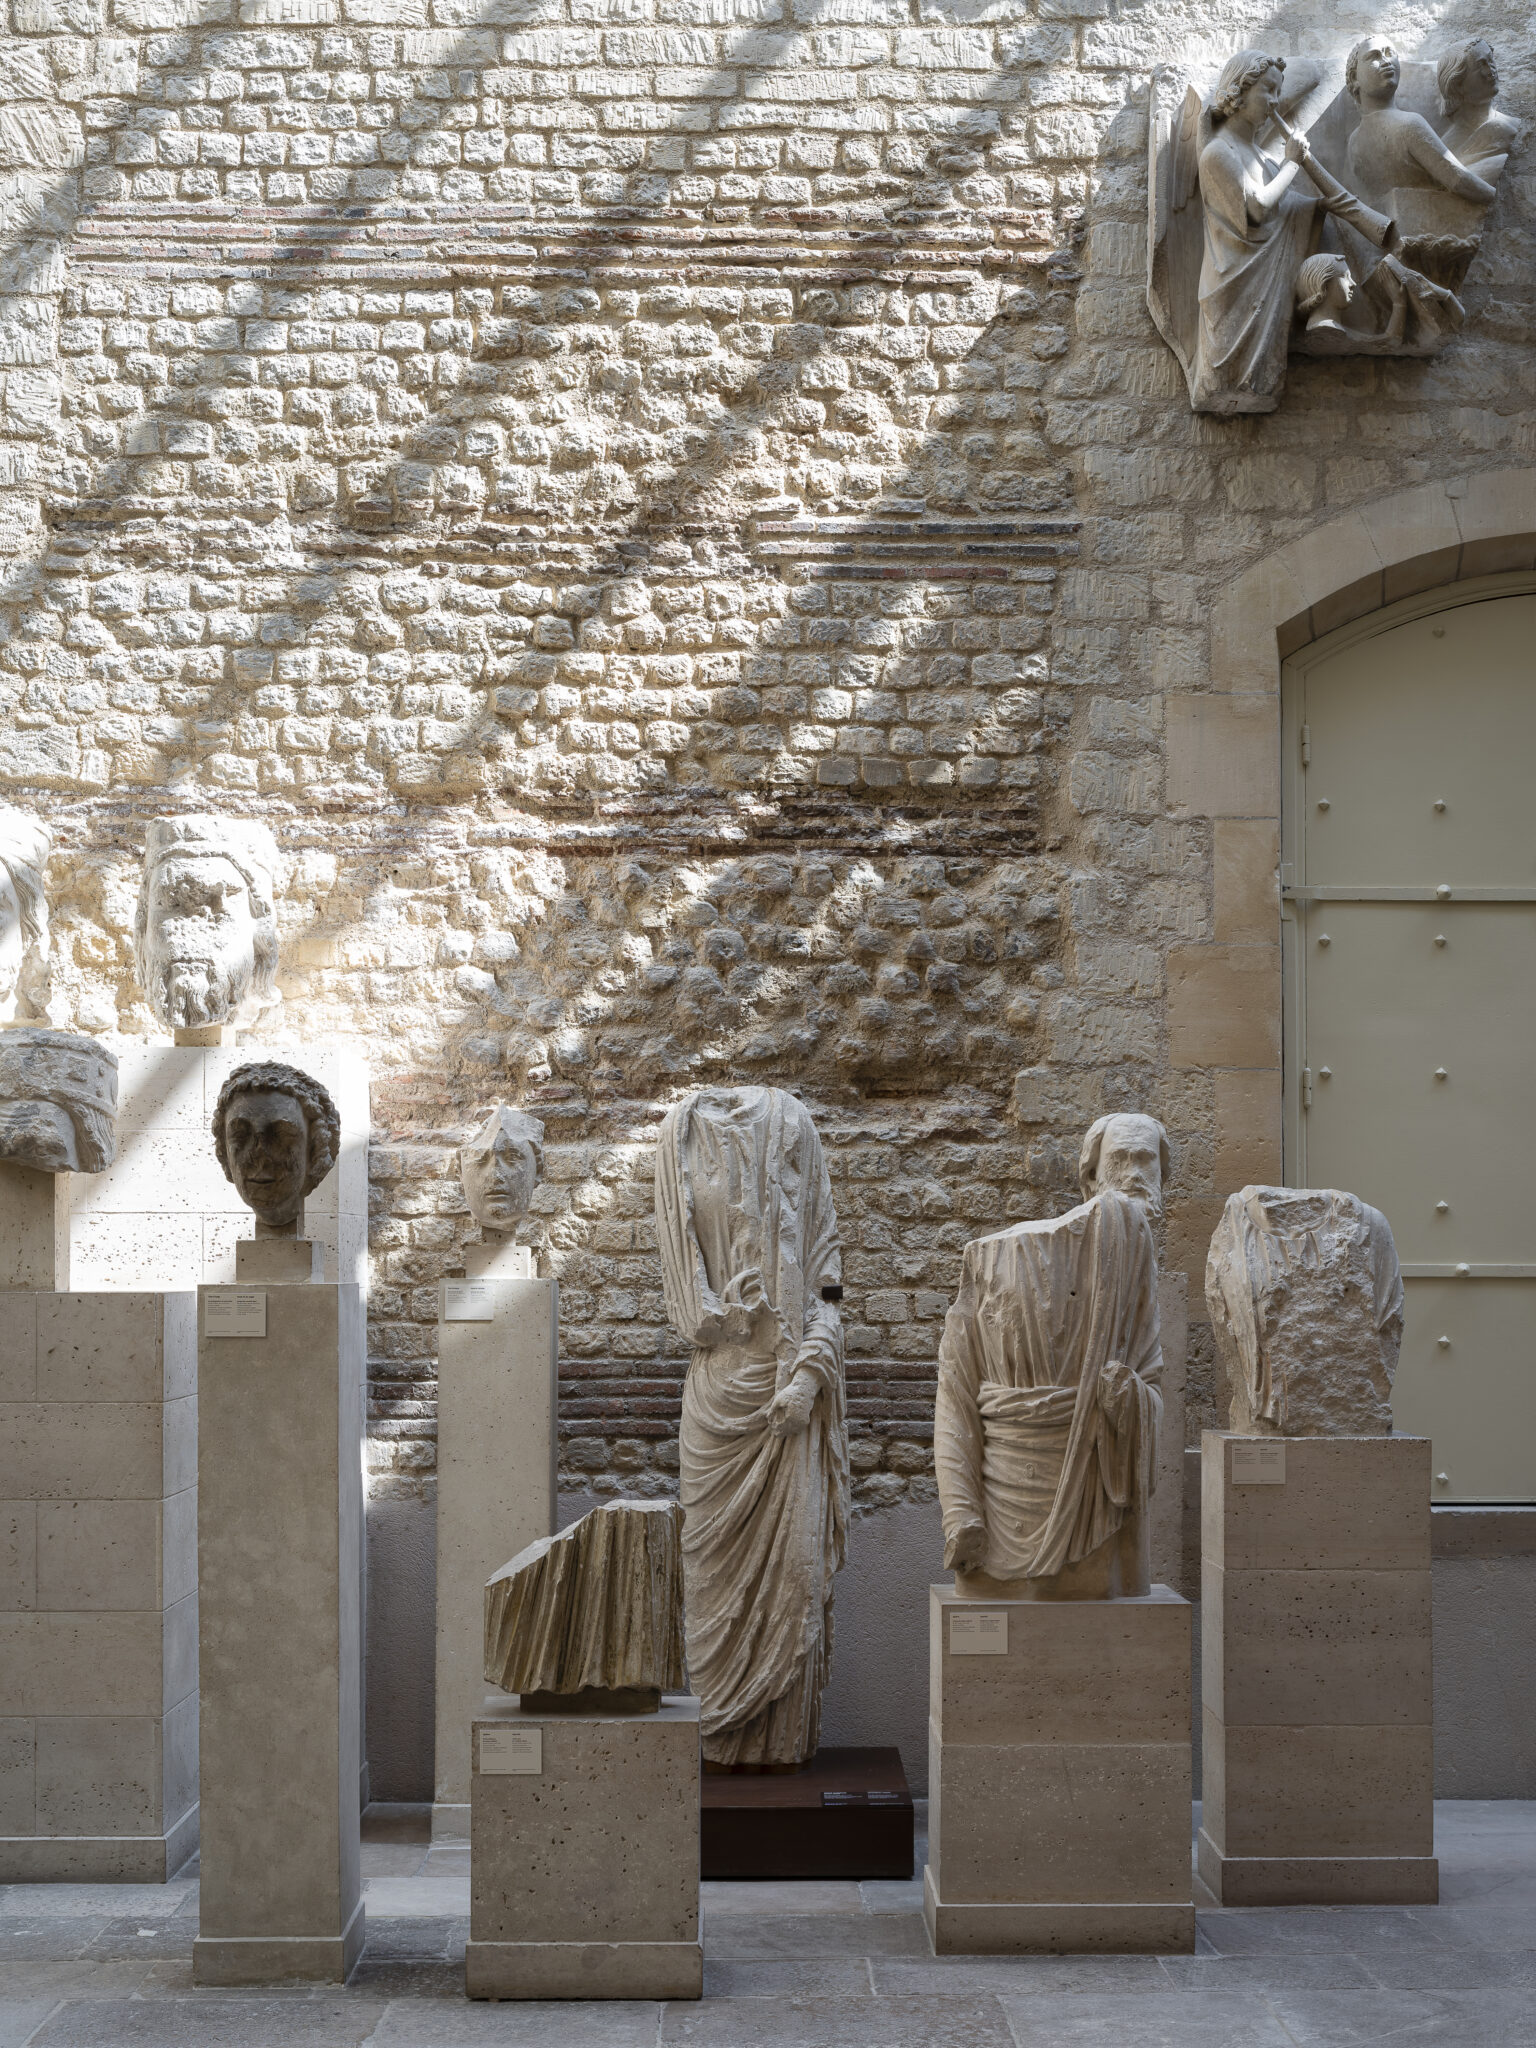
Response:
column 1409, row 948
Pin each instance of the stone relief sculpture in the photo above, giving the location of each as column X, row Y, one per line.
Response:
column 24, row 848
column 591, row 1620
column 276, row 1134
column 205, row 930
column 1046, row 1421
column 751, row 1268
column 1245, row 208
column 58, row 1101
column 499, row 1168
column 1306, row 1301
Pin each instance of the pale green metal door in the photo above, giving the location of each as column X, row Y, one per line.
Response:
column 1410, row 883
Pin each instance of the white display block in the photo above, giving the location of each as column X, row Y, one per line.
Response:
column 584, row 1854
column 498, row 1343
column 1059, row 1776
column 163, row 1215
column 1317, row 1687
column 98, row 1586
column 279, row 1557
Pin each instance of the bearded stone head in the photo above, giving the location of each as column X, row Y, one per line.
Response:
column 1128, row 1152
column 24, row 847
column 205, row 931
column 58, row 1101
column 277, row 1135
column 500, row 1168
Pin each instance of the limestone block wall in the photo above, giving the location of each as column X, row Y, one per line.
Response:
column 676, row 513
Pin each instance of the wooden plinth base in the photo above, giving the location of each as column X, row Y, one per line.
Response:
column 847, row 1813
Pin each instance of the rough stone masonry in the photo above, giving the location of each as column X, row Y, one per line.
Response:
column 677, row 515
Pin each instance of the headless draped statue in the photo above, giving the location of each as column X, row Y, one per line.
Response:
column 1046, row 1422
column 751, row 1267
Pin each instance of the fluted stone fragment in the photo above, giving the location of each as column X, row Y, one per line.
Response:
column 592, row 1619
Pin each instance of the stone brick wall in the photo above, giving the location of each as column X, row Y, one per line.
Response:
column 676, row 512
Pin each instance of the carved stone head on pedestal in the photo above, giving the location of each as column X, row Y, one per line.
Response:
column 204, row 933
column 500, row 1168
column 1129, row 1152
column 24, row 845
column 58, row 1101
column 277, row 1135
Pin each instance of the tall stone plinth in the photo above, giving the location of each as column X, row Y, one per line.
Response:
column 497, row 1343
column 98, row 1586
column 279, row 1542
column 163, row 1215
column 584, row 1854
column 1317, row 1686
column 1059, row 1776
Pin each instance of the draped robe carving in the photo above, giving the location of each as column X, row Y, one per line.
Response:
column 1048, row 1410
column 748, row 1239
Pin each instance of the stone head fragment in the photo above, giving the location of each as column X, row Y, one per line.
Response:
column 205, row 931
column 24, row 845
column 593, row 1616
column 58, row 1101
column 500, row 1166
column 1128, row 1152
column 277, row 1135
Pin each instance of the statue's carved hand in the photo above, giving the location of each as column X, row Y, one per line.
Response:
column 967, row 1548
column 789, row 1412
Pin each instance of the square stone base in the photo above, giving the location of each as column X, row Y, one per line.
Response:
column 450, row 1822
column 584, row 1969
column 1319, row 1880
column 279, row 1959
column 584, row 1854
column 1055, row 1929
column 1059, row 1776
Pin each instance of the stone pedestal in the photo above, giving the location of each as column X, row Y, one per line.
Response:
column 98, row 1578
column 1059, row 1776
column 1317, row 1687
column 584, row 1854
column 163, row 1215
column 279, row 1541
column 497, row 1344
column 34, row 1228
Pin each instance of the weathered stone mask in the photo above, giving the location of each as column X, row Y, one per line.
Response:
column 1128, row 1152
column 24, row 846
column 205, row 934
column 500, row 1166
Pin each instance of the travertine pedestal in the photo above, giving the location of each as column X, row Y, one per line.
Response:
column 1059, row 1776
column 279, row 1537
column 497, row 1344
column 584, row 1854
column 98, row 1577
column 1317, row 1690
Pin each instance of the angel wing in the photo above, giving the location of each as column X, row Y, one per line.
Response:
column 1177, row 131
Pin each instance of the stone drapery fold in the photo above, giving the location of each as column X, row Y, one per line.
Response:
column 1048, row 1412
column 748, row 1238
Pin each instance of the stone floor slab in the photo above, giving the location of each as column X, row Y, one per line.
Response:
column 72, row 1977
column 1306, row 1972
column 1295, row 1930
column 720, row 1896
column 737, row 1937
column 20, row 2019
column 1497, row 2018
column 133, row 1939
column 421, row 2023
column 33, row 1937
column 845, row 2022
column 212, row 2020
column 830, row 1977
column 1174, row 2020
column 1016, row 1976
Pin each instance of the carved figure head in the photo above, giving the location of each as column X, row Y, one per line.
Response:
column 1324, row 287
column 1128, row 1152
column 276, row 1134
column 1371, row 69
column 24, row 845
column 1468, row 76
column 1245, row 76
column 58, row 1101
column 500, row 1167
column 204, row 933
